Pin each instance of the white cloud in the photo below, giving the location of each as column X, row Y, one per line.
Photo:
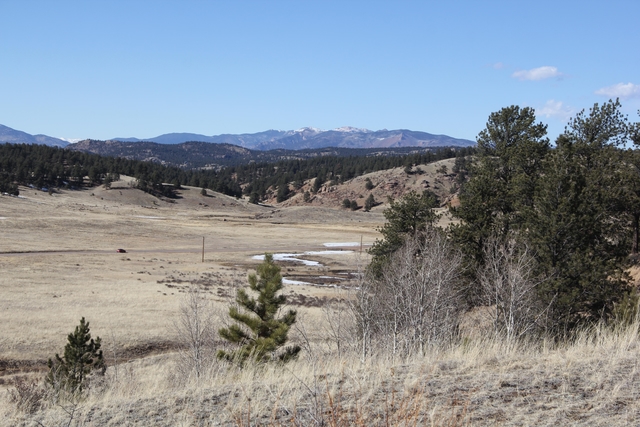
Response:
column 620, row 90
column 555, row 109
column 498, row 66
column 539, row 73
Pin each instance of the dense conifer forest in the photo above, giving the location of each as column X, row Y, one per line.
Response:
column 50, row 167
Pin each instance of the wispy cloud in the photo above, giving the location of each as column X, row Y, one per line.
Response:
column 621, row 90
column 498, row 66
column 555, row 109
column 539, row 73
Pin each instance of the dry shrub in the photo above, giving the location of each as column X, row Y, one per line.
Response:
column 27, row 395
column 417, row 303
column 509, row 286
column 195, row 332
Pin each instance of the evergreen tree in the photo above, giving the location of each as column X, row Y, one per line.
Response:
column 283, row 191
column 258, row 331
column 579, row 233
column 369, row 203
column 411, row 215
column 368, row 184
column 82, row 356
column 503, row 180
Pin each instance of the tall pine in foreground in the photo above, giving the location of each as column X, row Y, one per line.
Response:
column 258, row 331
column 82, row 356
column 494, row 202
column 577, row 224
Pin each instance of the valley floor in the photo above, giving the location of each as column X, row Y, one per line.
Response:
column 58, row 263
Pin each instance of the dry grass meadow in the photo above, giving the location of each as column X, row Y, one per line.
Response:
column 58, row 263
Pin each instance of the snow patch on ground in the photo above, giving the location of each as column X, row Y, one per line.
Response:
column 296, row 257
column 288, row 257
column 340, row 244
column 294, row 282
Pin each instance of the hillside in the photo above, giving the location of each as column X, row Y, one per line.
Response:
column 394, row 183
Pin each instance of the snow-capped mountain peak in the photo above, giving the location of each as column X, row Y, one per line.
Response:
column 351, row 129
column 308, row 130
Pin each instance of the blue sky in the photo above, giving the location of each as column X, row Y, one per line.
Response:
column 103, row 69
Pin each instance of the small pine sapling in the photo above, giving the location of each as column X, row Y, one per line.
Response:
column 258, row 331
column 82, row 356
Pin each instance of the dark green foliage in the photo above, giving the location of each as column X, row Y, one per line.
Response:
column 258, row 331
column 510, row 151
column 317, row 183
column 203, row 191
column 368, row 184
column 346, row 203
column 307, row 196
column 354, row 205
column 40, row 166
column 254, row 198
column 405, row 218
column 575, row 224
column 283, row 192
column 82, row 357
column 369, row 203
column 575, row 206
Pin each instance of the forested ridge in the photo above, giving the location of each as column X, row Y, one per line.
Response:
column 198, row 154
column 51, row 167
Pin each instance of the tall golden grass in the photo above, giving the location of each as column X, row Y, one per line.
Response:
column 591, row 379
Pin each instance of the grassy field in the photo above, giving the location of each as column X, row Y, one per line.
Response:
column 58, row 263
column 58, row 260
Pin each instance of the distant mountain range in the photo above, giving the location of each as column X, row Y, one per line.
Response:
column 312, row 138
column 18, row 137
column 305, row 138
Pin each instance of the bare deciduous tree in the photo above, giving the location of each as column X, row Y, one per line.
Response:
column 195, row 330
column 416, row 303
column 508, row 284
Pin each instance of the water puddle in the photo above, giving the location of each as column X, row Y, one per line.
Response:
column 296, row 257
column 324, row 281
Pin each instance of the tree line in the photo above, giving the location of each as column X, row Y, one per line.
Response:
column 45, row 167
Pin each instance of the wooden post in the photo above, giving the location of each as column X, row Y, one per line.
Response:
column 361, row 244
column 202, row 248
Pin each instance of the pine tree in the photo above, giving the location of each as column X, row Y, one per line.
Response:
column 82, row 356
column 405, row 218
column 369, row 203
column 511, row 149
column 576, row 227
column 368, row 184
column 258, row 331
